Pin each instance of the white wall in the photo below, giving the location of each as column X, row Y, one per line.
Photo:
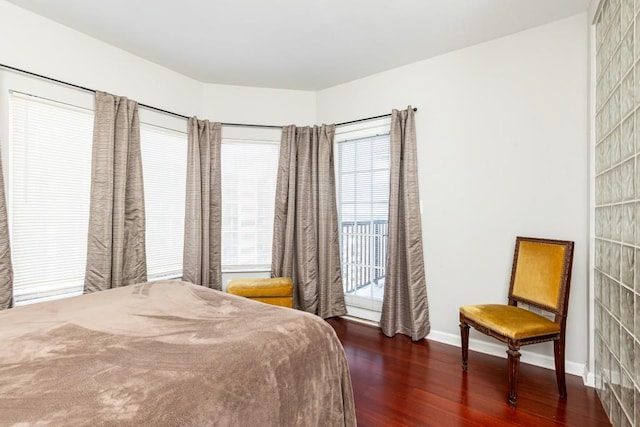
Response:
column 502, row 139
column 503, row 149
column 33, row 43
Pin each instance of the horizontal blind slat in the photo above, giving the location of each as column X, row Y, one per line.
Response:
column 249, row 173
column 49, row 194
column 164, row 163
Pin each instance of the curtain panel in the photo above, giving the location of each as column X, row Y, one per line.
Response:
column 203, row 213
column 6, row 269
column 305, row 236
column 404, row 307
column 116, row 243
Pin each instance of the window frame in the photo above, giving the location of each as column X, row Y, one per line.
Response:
column 358, row 306
column 259, row 136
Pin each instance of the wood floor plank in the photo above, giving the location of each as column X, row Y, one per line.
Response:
column 397, row 382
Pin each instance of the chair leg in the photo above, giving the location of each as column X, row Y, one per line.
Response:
column 514, row 366
column 464, row 335
column 558, row 352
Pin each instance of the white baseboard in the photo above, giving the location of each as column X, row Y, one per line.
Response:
column 495, row 349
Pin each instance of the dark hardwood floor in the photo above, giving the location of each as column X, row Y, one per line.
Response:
column 397, row 382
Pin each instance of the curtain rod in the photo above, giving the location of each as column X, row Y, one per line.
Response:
column 171, row 113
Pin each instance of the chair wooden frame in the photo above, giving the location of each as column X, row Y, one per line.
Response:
column 560, row 318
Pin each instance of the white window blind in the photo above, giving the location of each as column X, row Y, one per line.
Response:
column 249, row 172
column 49, row 193
column 164, row 164
column 363, row 202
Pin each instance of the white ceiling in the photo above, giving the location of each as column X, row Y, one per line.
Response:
column 296, row 44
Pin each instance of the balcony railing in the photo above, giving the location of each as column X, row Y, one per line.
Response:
column 364, row 256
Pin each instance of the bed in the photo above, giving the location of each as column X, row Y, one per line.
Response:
column 170, row 353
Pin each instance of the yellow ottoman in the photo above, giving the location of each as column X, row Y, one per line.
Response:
column 275, row 291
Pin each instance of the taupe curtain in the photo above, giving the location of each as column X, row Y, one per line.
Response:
column 203, row 214
column 404, row 307
column 305, row 235
column 116, row 253
column 6, row 270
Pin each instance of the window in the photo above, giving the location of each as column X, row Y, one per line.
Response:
column 164, row 164
column 49, row 193
column 249, row 173
column 363, row 203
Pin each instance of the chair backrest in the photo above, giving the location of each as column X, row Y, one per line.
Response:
column 541, row 274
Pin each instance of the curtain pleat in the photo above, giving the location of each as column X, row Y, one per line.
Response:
column 305, row 238
column 6, row 270
column 404, row 308
column 116, row 253
column 203, row 211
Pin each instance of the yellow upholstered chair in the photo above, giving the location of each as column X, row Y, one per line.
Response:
column 540, row 277
column 274, row 291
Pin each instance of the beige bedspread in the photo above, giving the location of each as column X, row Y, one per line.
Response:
column 170, row 353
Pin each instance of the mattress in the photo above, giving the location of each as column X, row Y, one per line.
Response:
column 170, row 353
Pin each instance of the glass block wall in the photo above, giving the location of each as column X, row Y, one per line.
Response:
column 617, row 212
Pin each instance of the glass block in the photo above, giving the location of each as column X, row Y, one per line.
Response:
column 626, row 51
column 616, row 407
column 599, row 184
column 628, row 223
column 605, row 393
column 599, row 254
column 614, row 111
column 636, row 136
column 616, row 184
column 599, row 222
column 626, row 351
column 598, row 285
column 606, row 358
column 636, row 325
column 627, row 311
column 614, row 300
column 616, row 61
column 606, row 221
column 626, row 13
column 606, row 301
column 627, row 143
column 616, row 375
column 627, row 272
column 614, row 147
column 626, row 95
column 600, row 126
column 602, row 220
column 614, row 7
column 627, row 397
column 627, row 177
column 606, row 118
column 600, row 32
column 598, row 364
column 607, row 189
column 607, row 12
column 616, row 223
column 637, row 224
column 637, row 177
column 599, row 312
column 636, row 401
column 636, row 43
column 616, row 29
column 602, row 156
column 608, row 82
column 606, row 257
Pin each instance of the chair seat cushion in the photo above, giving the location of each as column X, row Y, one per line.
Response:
column 512, row 322
column 261, row 287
